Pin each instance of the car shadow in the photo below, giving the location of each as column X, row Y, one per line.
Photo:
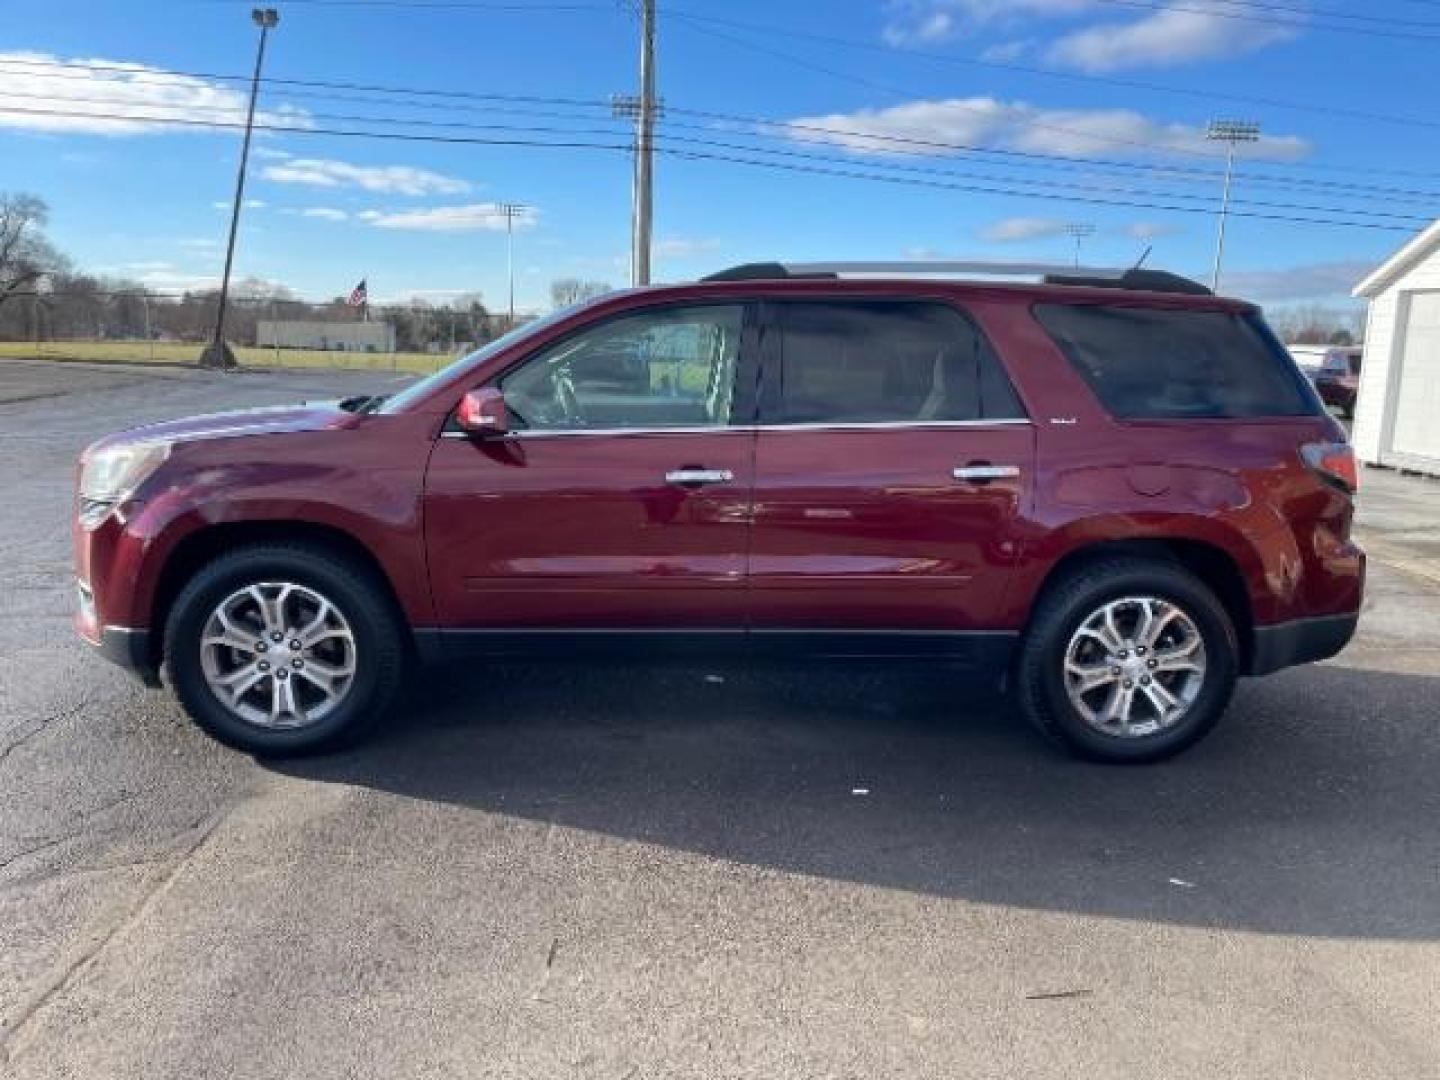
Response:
column 1312, row 809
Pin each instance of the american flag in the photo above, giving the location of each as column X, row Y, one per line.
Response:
column 359, row 296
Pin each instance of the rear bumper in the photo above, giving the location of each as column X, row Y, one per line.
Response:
column 1300, row 641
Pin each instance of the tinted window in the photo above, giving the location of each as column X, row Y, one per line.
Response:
column 871, row 362
column 1153, row 363
column 673, row 367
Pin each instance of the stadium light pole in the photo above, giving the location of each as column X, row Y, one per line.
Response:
column 217, row 354
column 510, row 211
column 1230, row 132
column 1079, row 230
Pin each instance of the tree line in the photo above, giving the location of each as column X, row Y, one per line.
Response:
column 43, row 297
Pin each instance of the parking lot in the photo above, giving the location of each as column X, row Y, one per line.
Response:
column 700, row 871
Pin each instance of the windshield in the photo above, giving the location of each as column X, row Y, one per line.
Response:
column 418, row 390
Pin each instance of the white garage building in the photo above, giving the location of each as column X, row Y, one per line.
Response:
column 1397, row 414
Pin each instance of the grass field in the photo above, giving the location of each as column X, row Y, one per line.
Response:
column 171, row 352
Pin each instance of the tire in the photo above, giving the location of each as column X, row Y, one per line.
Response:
column 1057, row 658
column 339, row 684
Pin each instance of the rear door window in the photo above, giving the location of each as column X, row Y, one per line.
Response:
column 862, row 362
column 1154, row 363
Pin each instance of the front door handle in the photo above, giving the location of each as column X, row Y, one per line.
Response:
column 980, row 473
column 693, row 477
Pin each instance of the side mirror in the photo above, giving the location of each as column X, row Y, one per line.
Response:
column 483, row 412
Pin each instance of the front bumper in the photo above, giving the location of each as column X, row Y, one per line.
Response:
column 130, row 648
column 1300, row 641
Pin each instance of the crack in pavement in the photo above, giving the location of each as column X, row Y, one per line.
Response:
column 42, row 724
column 70, row 971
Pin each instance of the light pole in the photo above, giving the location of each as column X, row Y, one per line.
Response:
column 218, row 354
column 510, row 211
column 1229, row 132
column 1079, row 230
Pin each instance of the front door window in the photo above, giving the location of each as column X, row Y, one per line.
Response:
column 659, row 369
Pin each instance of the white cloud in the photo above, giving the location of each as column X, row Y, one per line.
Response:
column 1308, row 282
column 324, row 213
column 1178, row 33
column 922, row 28
column 1150, row 230
column 1007, row 52
column 388, row 179
column 985, row 121
column 1173, row 36
column 198, row 242
column 250, row 204
column 466, row 218
column 1011, row 230
column 681, row 247
column 93, row 91
column 270, row 154
column 926, row 22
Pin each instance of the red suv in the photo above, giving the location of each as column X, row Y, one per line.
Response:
column 1112, row 492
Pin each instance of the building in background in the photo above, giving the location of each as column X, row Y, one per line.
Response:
column 1397, row 414
column 328, row 336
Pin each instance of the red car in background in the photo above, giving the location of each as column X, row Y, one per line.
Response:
column 1337, row 380
column 1111, row 492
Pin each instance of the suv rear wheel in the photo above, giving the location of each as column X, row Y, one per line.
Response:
column 281, row 649
column 1127, row 660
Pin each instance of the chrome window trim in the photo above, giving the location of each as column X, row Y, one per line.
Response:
column 894, row 425
column 878, row 425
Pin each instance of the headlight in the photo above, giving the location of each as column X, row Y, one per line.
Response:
column 109, row 476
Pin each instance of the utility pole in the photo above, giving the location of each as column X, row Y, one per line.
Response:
column 1079, row 230
column 644, row 109
column 218, row 354
column 510, row 211
column 1229, row 132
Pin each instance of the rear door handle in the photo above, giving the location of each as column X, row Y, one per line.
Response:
column 983, row 474
column 690, row 477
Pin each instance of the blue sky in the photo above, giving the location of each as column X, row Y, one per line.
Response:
column 860, row 87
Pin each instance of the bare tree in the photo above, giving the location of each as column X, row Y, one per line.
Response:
column 26, row 256
column 567, row 291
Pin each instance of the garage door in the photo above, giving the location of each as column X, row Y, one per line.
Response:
column 1416, row 433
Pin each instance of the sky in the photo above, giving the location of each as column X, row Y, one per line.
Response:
column 390, row 131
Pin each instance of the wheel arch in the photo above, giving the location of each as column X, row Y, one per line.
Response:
column 1211, row 563
column 207, row 543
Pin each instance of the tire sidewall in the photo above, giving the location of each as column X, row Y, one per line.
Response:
column 1163, row 583
column 213, row 584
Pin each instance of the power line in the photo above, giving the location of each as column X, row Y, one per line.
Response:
column 717, row 144
column 1250, row 10
column 786, row 130
column 1271, row 20
column 704, row 155
column 302, row 89
column 1281, row 103
column 907, row 94
column 426, row 92
column 1052, row 73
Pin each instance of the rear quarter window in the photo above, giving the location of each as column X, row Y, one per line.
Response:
column 1157, row 363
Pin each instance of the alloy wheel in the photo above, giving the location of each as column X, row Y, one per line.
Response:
column 278, row 654
column 1134, row 666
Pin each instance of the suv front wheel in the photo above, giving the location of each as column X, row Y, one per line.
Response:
column 1127, row 660
column 283, row 649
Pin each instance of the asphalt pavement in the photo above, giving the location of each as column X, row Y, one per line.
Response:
column 700, row 870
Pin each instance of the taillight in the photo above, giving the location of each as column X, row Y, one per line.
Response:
column 1334, row 461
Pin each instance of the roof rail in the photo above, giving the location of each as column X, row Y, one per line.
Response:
column 1049, row 273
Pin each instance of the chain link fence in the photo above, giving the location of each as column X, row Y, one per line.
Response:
column 135, row 326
